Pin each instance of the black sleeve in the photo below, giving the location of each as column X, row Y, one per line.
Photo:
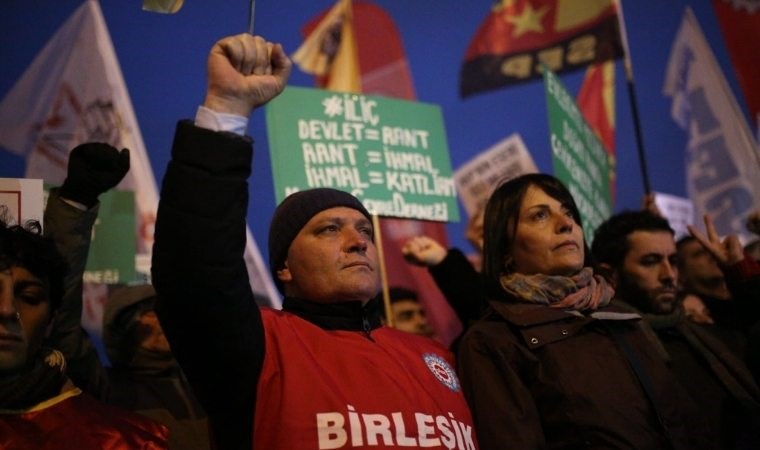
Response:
column 205, row 303
column 743, row 281
column 461, row 285
column 71, row 230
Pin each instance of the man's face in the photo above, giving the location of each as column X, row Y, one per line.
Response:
column 648, row 275
column 24, row 316
column 697, row 265
column 332, row 259
column 409, row 316
column 150, row 334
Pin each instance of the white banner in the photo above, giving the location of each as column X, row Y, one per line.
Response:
column 722, row 159
column 678, row 211
column 476, row 179
column 74, row 92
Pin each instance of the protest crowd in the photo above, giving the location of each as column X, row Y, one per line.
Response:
column 635, row 340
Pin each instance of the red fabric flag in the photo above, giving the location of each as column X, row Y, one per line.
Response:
column 596, row 100
column 740, row 24
column 384, row 70
column 518, row 35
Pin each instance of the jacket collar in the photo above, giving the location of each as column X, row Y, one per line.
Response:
column 351, row 316
column 529, row 314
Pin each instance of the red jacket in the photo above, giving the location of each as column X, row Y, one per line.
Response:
column 76, row 420
column 383, row 388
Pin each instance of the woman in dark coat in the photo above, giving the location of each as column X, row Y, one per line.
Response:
column 551, row 364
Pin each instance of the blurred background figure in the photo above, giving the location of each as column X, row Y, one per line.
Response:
column 40, row 407
column 144, row 375
column 408, row 313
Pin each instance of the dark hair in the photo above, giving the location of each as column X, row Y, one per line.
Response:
column 502, row 211
column 611, row 238
column 397, row 294
column 684, row 240
column 24, row 246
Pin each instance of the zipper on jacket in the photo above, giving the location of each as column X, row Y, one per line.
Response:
column 366, row 327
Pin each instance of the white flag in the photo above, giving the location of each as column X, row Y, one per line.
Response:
column 722, row 158
column 74, row 92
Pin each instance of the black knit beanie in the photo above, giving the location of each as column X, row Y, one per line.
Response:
column 294, row 212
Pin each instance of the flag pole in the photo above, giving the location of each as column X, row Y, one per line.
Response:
column 383, row 273
column 251, row 9
column 632, row 98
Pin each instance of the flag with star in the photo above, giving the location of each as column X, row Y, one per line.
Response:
column 519, row 35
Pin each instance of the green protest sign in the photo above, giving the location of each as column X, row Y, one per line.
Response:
column 111, row 259
column 578, row 157
column 112, row 253
column 391, row 154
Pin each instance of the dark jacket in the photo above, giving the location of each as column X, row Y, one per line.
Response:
column 145, row 381
column 716, row 378
column 538, row 377
column 153, row 387
column 461, row 285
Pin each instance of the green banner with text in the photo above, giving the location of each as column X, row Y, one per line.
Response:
column 112, row 253
column 391, row 154
column 578, row 157
column 111, row 259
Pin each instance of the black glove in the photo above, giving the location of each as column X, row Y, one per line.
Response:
column 93, row 169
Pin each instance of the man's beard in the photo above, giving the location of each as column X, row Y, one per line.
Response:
column 645, row 301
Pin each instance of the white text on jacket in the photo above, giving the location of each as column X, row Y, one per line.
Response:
column 339, row 430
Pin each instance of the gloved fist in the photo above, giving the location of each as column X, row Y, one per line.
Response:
column 93, row 168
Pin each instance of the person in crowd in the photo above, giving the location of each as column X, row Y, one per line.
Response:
column 726, row 280
column 637, row 251
column 143, row 375
column 40, row 408
column 753, row 222
column 552, row 364
column 323, row 372
column 700, row 273
column 407, row 312
column 456, row 275
column 753, row 249
column 695, row 310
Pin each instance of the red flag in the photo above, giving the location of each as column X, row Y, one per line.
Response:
column 385, row 71
column 740, row 24
column 596, row 100
column 518, row 35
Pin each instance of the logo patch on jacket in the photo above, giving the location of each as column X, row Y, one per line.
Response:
column 442, row 370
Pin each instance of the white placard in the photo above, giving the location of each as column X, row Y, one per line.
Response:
column 476, row 180
column 21, row 199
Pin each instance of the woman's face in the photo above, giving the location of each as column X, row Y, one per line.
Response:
column 547, row 240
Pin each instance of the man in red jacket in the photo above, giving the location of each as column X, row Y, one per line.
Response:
column 323, row 373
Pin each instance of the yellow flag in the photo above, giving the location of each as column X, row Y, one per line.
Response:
column 330, row 50
column 163, row 6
